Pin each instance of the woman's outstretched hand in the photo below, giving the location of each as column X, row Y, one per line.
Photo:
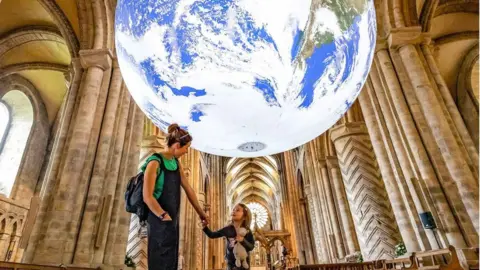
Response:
column 204, row 223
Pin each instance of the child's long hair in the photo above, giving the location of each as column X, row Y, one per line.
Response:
column 246, row 215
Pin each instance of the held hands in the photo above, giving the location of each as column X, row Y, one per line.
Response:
column 205, row 219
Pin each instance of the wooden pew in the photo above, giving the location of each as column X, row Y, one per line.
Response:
column 25, row 266
column 440, row 259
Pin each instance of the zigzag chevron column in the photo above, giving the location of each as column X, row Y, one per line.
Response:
column 371, row 210
column 137, row 246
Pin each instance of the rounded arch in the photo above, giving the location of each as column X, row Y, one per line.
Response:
column 20, row 94
column 465, row 83
column 100, row 15
column 467, row 93
column 63, row 24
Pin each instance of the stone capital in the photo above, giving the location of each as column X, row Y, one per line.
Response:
column 399, row 37
column 381, row 44
column 332, row 162
column 322, row 163
column 101, row 58
column 348, row 129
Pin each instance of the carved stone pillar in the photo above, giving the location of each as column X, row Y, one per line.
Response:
column 446, row 97
column 437, row 123
column 349, row 233
column 394, row 178
column 53, row 164
column 402, row 155
column 137, row 241
column 322, row 201
column 374, row 221
column 327, row 187
column 4, row 243
column 126, row 163
column 54, row 248
column 317, row 219
column 101, row 188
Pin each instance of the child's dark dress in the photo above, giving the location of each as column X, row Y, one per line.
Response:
column 230, row 233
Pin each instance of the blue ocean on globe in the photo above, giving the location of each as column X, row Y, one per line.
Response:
column 245, row 77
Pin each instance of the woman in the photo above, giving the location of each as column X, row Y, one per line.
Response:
column 161, row 192
column 240, row 219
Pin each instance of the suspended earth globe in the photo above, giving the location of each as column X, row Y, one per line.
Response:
column 245, row 77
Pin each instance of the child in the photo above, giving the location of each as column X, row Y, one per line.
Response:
column 240, row 219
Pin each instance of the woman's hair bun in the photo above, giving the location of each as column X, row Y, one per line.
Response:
column 173, row 127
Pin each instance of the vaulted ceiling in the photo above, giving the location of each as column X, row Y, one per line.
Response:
column 454, row 30
column 253, row 180
column 31, row 45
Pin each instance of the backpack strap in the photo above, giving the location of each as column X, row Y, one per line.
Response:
column 156, row 157
column 161, row 168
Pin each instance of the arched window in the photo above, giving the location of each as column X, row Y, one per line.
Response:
column 15, row 128
column 4, row 125
column 4, row 122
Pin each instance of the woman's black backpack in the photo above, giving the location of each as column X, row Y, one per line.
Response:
column 134, row 196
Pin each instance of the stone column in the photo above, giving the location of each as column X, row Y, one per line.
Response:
column 316, row 230
column 319, row 227
column 53, row 247
column 4, row 243
column 390, row 171
column 322, row 201
column 293, row 202
column 53, row 165
column 217, row 210
column 326, row 182
column 374, row 221
column 384, row 93
column 452, row 108
column 99, row 197
column 404, row 40
column 349, row 233
column 126, row 163
column 299, row 213
column 137, row 241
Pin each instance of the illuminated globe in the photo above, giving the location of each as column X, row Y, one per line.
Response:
column 245, row 77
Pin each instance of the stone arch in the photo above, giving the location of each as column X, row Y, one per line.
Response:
column 398, row 13
column 467, row 93
column 28, row 34
column 96, row 21
column 63, row 24
column 36, row 144
column 19, row 67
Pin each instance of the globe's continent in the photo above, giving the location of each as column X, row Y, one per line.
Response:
column 245, row 77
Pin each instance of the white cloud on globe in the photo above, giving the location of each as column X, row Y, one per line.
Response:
column 256, row 73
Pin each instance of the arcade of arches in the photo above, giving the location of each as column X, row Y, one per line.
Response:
column 71, row 136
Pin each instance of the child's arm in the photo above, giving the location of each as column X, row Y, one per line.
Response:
column 248, row 242
column 217, row 234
